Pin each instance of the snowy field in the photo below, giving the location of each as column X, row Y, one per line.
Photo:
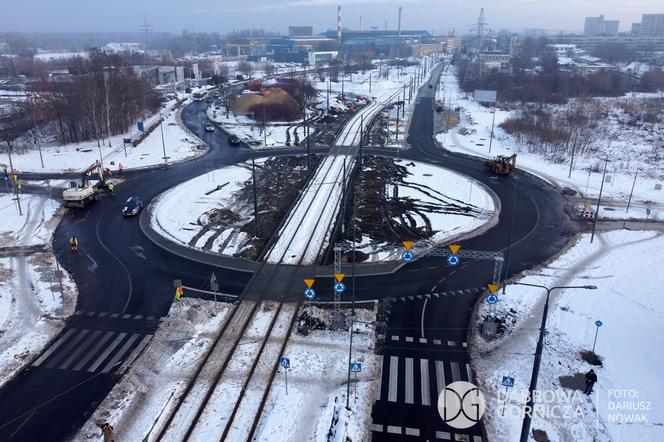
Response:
column 159, row 375
column 180, row 213
column 442, row 195
column 621, row 169
column 33, row 308
column 180, row 144
column 629, row 343
column 317, row 387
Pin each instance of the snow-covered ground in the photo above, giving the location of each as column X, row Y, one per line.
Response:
column 442, row 196
column 35, row 300
column 180, row 144
column 317, row 383
column 159, row 375
column 625, row 404
column 478, row 119
column 180, row 213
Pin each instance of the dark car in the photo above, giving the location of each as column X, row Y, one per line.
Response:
column 233, row 140
column 430, row 86
column 439, row 108
column 132, row 206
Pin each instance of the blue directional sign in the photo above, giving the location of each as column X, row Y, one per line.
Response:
column 491, row 299
column 140, row 126
column 309, row 294
column 648, row 211
column 508, row 381
column 407, row 256
column 453, row 260
column 355, row 367
column 284, row 362
column 339, row 287
column 598, row 323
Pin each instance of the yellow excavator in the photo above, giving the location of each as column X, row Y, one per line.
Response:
column 501, row 165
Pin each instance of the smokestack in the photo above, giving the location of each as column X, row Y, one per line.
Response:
column 399, row 25
column 339, row 25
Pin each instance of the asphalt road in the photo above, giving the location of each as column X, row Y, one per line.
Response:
column 125, row 286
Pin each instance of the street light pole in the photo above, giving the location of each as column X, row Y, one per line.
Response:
column 163, row 144
column 629, row 201
column 257, row 230
column 599, row 200
column 352, row 318
column 525, row 429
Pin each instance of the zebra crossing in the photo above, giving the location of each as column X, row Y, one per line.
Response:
column 435, row 342
column 93, row 351
column 437, row 295
column 419, row 381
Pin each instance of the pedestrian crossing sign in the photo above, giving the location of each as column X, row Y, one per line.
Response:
column 355, row 367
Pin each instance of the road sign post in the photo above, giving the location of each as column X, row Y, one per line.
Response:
column 355, row 368
column 508, row 382
column 598, row 324
column 285, row 363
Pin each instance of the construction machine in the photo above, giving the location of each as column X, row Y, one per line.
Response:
column 81, row 191
column 501, row 165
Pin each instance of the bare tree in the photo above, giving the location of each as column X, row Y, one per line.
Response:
column 246, row 68
column 269, row 69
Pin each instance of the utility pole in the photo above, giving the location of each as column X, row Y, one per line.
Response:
column 264, row 129
column 599, row 200
column 108, row 116
column 257, row 230
column 369, row 82
column 493, row 121
column 403, row 107
column 571, row 163
column 629, row 201
column 352, row 319
column 163, row 144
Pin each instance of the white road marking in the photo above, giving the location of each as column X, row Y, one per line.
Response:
column 54, row 347
column 106, row 352
column 443, row 435
column 392, row 385
column 440, row 376
column 469, row 372
column 393, row 429
column 92, row 338
column 455, row 371
column 424, row 306
column 412, row 431
column 409, row 339
column 424, row 374
column 410, row 391
column 120, row 353
column 437, row 342
column 377, row 427
column 94, row 350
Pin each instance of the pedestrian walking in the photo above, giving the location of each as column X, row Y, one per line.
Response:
column 120, row 168
column 591, row 378
column 73, row 242
column 19, row 188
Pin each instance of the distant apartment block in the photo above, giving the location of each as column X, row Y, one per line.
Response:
column 595, row 26
column 652, row 25
column 300, row 31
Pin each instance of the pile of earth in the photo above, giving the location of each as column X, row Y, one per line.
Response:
column 273, row 104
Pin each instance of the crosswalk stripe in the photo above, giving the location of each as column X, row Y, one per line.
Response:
column 106, row 352
column 477, row 438
column 410, row 392
column 392, row 386
column 94, row 350
column 90, row 339
column 380, row 376
column 412, row 431
column 440, row 376
column 451, row 343
column 423, row 340
column 70, row 345
column 469, row 373
column 54, row 347
column 409, row 339
column 393, row 429
column 443, row 435
column 120, row 353
column 455, row 371
column 437, row 341
column 424, row 374
column 377, row 427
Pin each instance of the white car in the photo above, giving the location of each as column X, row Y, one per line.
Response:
column 209, row 128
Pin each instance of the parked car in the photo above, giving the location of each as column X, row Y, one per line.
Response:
column 430, row 86
column 439, row 108
column 132, row 206
column 209, row 128
column 233, row 140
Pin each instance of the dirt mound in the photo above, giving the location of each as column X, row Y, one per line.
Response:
column 277, row 104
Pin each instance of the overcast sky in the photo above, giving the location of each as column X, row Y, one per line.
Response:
column 275, row 15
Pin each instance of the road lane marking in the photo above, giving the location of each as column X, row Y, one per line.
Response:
column 455, row 371
column 392, row 386
column 469, row 372
column 410, row 391
column 380, row 376
column 94, row 351
column 54, row 347
column 393, row 429
column 90, row 339
column 437, row 342
column 443, row 435
column 440, row 376
column 377, row 427
column 412, row 431
column 106, row 352
column 424, row 374
column 451, row 343
column 423, row 340
column 120, row 353
column 424, row 307
column 409, row 339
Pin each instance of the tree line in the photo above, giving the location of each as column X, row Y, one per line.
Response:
column 102, row 97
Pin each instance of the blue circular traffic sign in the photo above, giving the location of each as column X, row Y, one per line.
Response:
column 407, row 256
column 491, row 299
column 309, row 294
column 453, row 260
column 339, row 287
column 598, row 323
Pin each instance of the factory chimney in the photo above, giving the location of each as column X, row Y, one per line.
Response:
column 399, row 26
column 339, row 25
